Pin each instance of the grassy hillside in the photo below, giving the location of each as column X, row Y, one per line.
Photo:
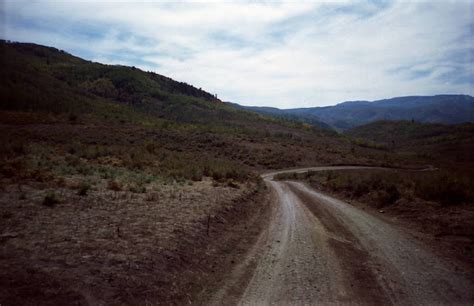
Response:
column 446, row 144
column 58, row 82
column 47, row 84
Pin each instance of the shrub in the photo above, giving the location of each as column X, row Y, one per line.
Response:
column 392, row 194
column 232, row 184
column 84, row 187
column 72, row 117
column 50, row 199
column 137, row 188
column 196, row 175
column 217, row 176
column 206, row 171
column 151, row 146
column 444, row 188
column 114, row 185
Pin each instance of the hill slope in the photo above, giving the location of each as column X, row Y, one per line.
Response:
column 285, row 115
column 451, row 144
column 49, row 85
column 61, row 83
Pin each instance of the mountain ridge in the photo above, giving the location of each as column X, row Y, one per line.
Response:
column 447, row 109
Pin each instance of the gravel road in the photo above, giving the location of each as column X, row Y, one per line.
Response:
column 320, row 250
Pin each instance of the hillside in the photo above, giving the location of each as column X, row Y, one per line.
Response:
column 43, row 85
column 446, row 109
column 61, row 83
column 285, row 115
column 451, row 144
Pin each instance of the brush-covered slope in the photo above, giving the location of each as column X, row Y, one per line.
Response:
column 38, row 78
column 285, row 115
column 109, row 110
column 449, row 143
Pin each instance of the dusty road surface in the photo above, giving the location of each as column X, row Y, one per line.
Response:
column 320, row 250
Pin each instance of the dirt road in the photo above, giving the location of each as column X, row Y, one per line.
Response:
column 320, row 250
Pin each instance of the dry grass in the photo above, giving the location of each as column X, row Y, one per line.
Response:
column 112, row 246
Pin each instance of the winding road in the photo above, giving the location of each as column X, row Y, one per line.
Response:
column 320, row 250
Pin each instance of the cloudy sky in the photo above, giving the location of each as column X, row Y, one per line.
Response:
column 284, row 54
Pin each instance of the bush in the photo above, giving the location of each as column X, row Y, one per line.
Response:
column 84, row 187
column 114, row 185
column 196, row 175
column 443, row 188
column 232, row 184
column 137, row 188
column 151, row 146
column 217, row 176
column 51, row 199
column 72, row 117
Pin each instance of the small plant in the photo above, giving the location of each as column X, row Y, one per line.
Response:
column 217, row 176
column 196, row 175
column 51, row 199
column 84, row 188
column 72, row 117
column 152, row 197
column 114, row 185
column 137, row 188
column 232, row 184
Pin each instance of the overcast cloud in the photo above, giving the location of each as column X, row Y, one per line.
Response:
column 290, row 54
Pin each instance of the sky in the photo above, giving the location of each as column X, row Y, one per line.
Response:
column 282, row 54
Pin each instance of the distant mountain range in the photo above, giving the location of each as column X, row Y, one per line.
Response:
column 447, row 109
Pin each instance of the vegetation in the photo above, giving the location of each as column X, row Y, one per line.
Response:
column 58, row 82
column 449, row 146
column 133, row 127
column 84, row 188
column 51, row 199
column 385, row 187
column 369, row 144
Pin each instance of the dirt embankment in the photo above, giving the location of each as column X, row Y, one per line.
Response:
column 119, row 247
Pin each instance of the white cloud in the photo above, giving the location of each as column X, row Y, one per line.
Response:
column 287, row 54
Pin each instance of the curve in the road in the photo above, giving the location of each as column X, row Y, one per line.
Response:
column 320, row 250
